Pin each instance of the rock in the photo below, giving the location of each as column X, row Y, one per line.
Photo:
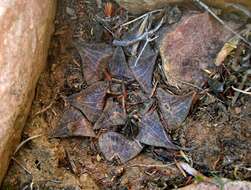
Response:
column 227, row 185
column 190, row 47
column 140, row 6
column 26, row 27
column 87, row 183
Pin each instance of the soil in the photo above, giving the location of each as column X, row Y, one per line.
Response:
column 220, row 135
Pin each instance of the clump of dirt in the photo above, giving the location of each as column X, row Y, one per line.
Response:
column 217, row 130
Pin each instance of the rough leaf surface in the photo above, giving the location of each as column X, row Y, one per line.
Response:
column 152, row 133
column 143, row 70
column 94, row 60
column 90, row 100
column 174, row 108
column 73, row 123
column 118, row 65
column 112, row 115
column 114, row 145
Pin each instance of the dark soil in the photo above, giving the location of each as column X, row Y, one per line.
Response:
column 220, row 135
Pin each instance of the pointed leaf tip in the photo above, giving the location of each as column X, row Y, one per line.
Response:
column 90, row 100
column 114, row 145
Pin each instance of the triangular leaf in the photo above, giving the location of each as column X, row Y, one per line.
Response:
column 94, row 59
column 113, row 145
column 118, row 66
column 143, row 70
column 90, row 100
column 112, row 115
column 152, row 133
column 174, row 108
column 73, row 123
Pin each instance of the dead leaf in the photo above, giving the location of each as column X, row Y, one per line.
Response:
column 112, row 115
column 143, row 70
column 193, row 172
column 114, row 145
column 90, row 100
column 174, row 108
column 118, row 65
column 230, row 46
column 94, row 59
column 226, row 50
column 73, row 123
column 152, row 133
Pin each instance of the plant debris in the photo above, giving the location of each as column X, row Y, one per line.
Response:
column 126, row 92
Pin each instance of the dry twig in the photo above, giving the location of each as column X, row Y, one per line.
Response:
column 21, row 165
column 146, row 35
column 151, row 165
column 241, row 86
column 142, row 16
column 242, row 91
column 24, row 142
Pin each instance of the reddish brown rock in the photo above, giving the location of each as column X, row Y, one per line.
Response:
column 24, row 39
column 191, row 47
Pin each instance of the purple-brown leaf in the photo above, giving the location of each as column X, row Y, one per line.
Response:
column 90, row 100
column 73, row 123
column 112, row 115
column 174, row 108
column 113, row 145
column 118, row 66
column 143, row 70
column 94, row 59
column 152, row 133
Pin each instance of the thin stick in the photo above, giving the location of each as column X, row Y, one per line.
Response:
column 248, row 89
column 23, row 167
column 124, row 43
column 221, row 21
column 71, row 161
column 140, row 32
column 142, row 16
column 151, row 165
column 141, row 52
column 144, row 47
column 145, row 35
column 25, row 141
column 154, row 89
column 44, row 109
column 242, row 91
column 124, row 98
column 241, row 86
column 189, row 84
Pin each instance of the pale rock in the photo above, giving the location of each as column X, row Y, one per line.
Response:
column 26, row 28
